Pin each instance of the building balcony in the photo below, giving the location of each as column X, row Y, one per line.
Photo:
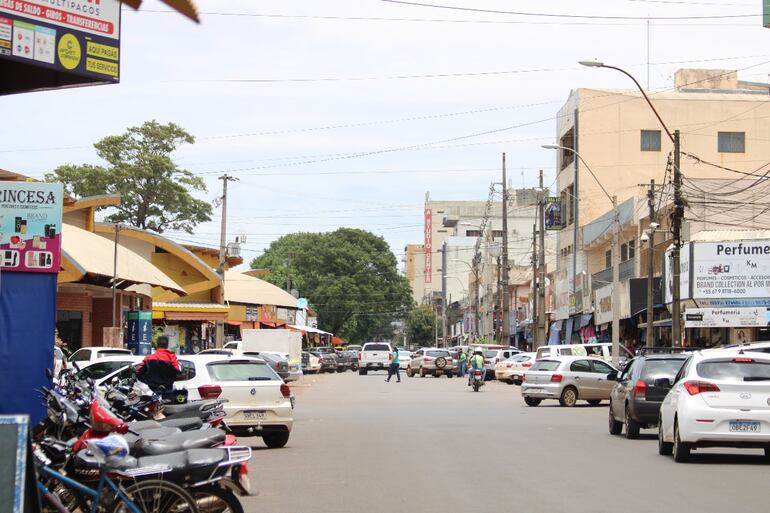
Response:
column 626, row 272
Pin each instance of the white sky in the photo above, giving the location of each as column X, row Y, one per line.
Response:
column 294, row 179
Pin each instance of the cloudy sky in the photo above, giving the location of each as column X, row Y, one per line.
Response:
column 346, row 112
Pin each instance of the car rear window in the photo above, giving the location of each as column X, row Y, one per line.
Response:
column 240, row 371
column 376, row 347
column 546, row 365
column 490, row 354
column 519, row 358
column 669, row 368
column 735, row 369
column 437, row 354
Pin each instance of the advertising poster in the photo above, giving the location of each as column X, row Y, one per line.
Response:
column 428, row 245
column 684, row 274
column 738, row 271
column 603, row 305
column 70, row 37
column 725, row 317
column 30, row 226
column 140, row 332
column 552, row 212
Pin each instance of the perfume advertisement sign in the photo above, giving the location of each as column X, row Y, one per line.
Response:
column 30, row 226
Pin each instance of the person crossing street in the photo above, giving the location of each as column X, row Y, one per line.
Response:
column 395, row 366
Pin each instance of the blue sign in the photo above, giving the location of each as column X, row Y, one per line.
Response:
column 302, row 303
column 140, row 332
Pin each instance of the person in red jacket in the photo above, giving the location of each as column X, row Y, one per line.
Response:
column 159, row 369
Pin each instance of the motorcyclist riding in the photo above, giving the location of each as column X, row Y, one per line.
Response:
column 160, row 369
column 476, row 362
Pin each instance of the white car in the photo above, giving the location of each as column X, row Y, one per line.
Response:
column 718, row 399
column 404, row 358
column 92, row 354
column 512, row 369
column 494, row 356
column 104, row 368
column 258, row 401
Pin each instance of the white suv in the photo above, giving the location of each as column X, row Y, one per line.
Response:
column 374, row 356
column 720, row 398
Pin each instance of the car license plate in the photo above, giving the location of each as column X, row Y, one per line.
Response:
column 254, row 414
column 745, row 427
column 378, row 365
column 534, row 390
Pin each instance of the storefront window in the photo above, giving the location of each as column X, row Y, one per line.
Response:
column 69, row 325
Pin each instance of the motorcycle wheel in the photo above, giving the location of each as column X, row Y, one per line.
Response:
column 476, row 386
column 212, row 499
column 149, row 495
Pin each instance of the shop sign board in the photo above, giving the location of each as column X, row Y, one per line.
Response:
column 725, row 317
column 428, row 245
column 139, row 332
column 30, row 226
column 552, row 212
column 603, row 305
column 684, row 274
column 735, row 270
column 562, row 295
column 73, row 41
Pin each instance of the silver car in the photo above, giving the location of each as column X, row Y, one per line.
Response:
column 568, row 379
column 433, row 361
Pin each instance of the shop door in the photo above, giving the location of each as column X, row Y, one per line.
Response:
column 69, row 324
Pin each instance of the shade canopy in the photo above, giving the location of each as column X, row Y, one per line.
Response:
column 242, row 288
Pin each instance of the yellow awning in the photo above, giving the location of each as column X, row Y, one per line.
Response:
column 92, row 254
column 242, row 288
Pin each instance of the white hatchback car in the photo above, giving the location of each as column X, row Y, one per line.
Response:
column 92, row 354
column 404, row 358
column 512, row 370
column 718, row 399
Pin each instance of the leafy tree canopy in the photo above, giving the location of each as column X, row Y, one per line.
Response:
column 420, row 326
column 154, row 190
column 350, row 277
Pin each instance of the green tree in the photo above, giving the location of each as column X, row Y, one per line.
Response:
column 420, row 326
column 154, row 191
column 350, row 277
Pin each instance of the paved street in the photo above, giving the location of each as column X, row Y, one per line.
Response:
column 360, row 444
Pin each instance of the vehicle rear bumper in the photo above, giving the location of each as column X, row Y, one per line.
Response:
column 374, row 366
column 710, row 427
column 276, row 417
column 645, row 412
column 541, row 390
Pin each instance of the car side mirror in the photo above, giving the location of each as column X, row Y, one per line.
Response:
column 612, row 376
column 663, row 382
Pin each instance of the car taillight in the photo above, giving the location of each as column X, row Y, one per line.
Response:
column 699, row 387
column 556, row 378
column 285, row 390
column 743, row 360
column 508, row 365
column 209, row 391
column 640, row 388
column 526, row 365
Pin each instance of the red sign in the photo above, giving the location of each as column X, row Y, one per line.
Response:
column 428, row 245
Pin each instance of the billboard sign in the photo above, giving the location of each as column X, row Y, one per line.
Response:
column 428, row 245
column 76, row 41
column 30, row 226
column 736, row 270
column 684, row 274
column 603, row 305
column 552, row 212
column 725, row 317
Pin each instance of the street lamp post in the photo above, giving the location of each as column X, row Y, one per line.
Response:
column 676, row 224
column 615, row 254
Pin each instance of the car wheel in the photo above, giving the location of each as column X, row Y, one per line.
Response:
column 276, row 440
column 664, row 448
column 594, row 402
column 681, row 449
column 449, row 374
column 362, row 372
column 409, row 372
column 531, row 401
column 632, row 426
column 422, row 372
column 569, row 397
column 615, row 426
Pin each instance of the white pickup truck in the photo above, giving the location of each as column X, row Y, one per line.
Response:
column 373, row 356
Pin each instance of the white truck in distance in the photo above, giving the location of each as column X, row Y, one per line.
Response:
column 273, row 341
column 373, row 356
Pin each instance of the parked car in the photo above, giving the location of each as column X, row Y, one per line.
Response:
column 354, row 348
column 98, row 370
column 602, row 350
column 636, row 396
column 512, row 369
column 568, row 379
column 345, row 360
column 718, row 399
column 311, row 364
column 327, row 356
column 276, row 362
column 91, row 354
column 432, row 361
column 295, row 368
column 373, row 356
column 404, row 358
column 494, row 356
column 258, row 401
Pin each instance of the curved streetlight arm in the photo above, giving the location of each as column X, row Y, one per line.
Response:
column 638, row 85
column 558, row 147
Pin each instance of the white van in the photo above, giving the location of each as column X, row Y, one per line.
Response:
column 602, row 350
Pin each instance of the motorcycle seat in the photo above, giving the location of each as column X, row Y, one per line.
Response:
column 187, row 408
column 183, row 423
column 147, row 446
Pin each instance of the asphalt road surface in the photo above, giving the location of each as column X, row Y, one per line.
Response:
column 432, row 445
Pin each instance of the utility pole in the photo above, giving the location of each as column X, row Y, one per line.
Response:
column 676, row 228
column 541, row 265
column 615, row 282
column 536, row 284
column 650, row 266
column 506, row 331
column 220, row 334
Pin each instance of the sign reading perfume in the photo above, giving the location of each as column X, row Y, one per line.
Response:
column 725, row 317
column 30, row 226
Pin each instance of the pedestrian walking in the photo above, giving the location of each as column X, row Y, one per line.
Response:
column 463, row 363
column 395, row 366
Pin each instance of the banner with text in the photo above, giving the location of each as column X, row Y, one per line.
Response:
column 725, row 317
column 738, row 271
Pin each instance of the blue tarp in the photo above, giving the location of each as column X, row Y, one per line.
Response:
column 27, row 322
